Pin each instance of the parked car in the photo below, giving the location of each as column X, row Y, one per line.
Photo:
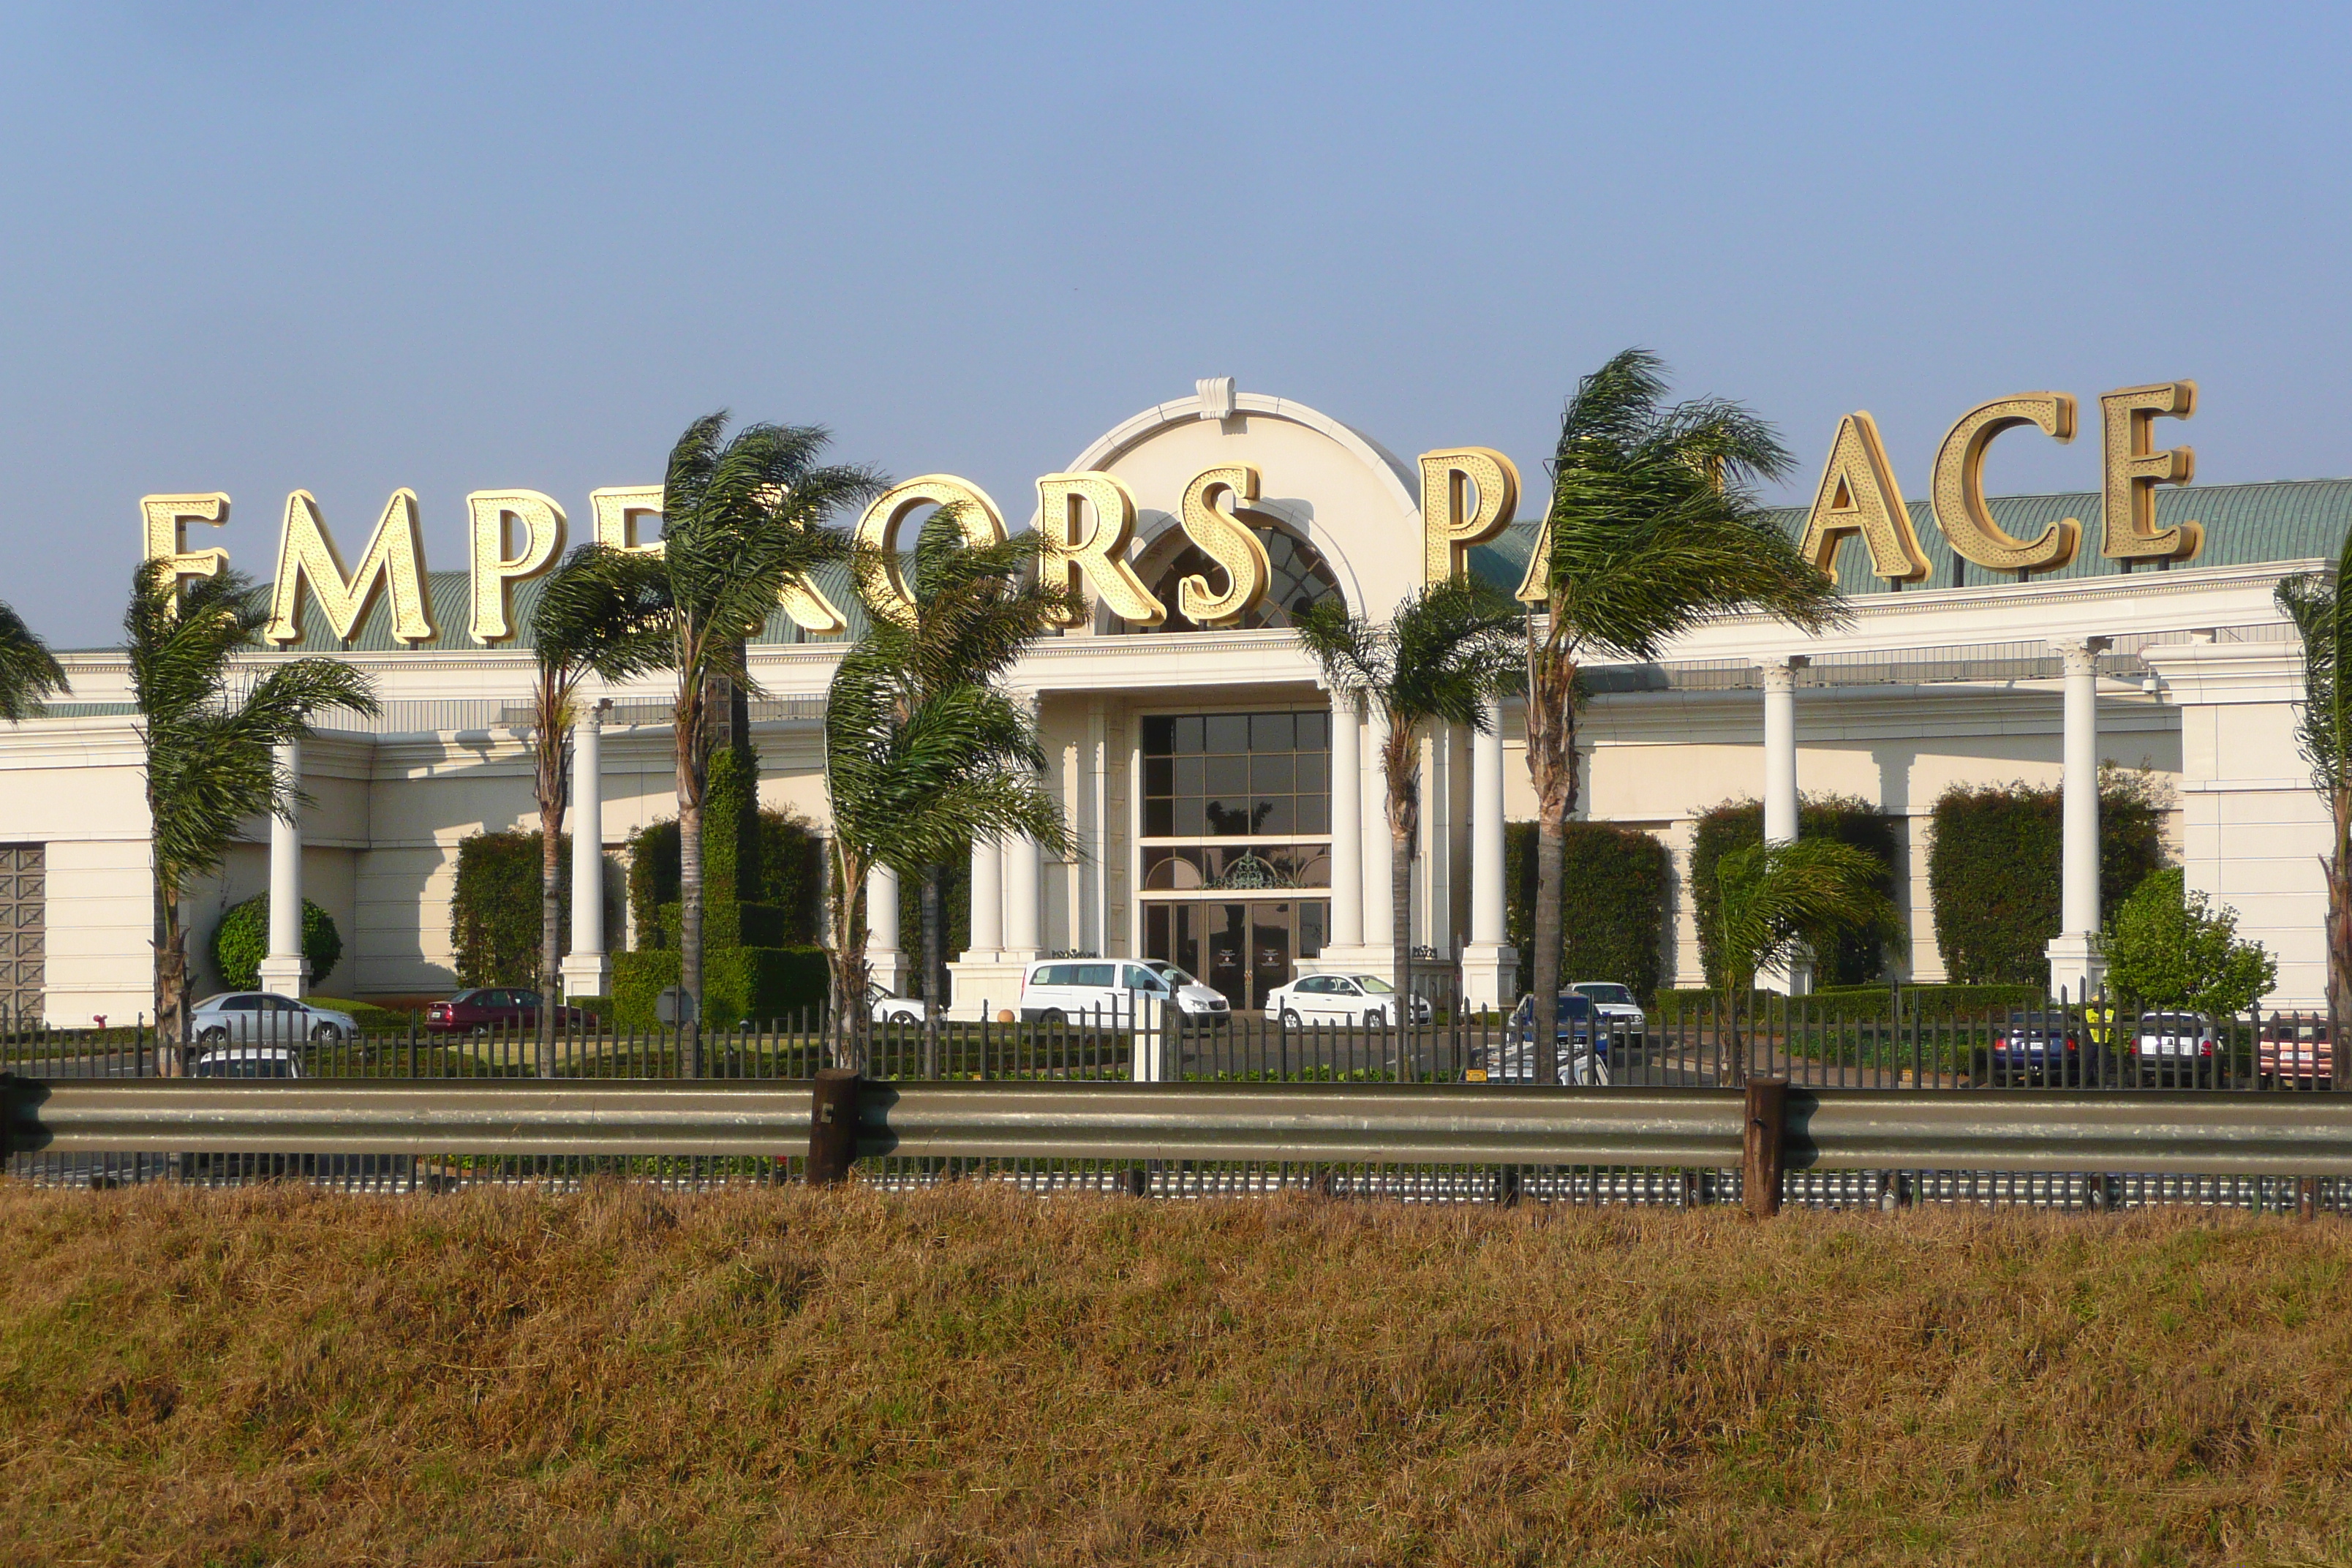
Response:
column 2293, row 1050
column 885, row 1008
column 2176, row 1047
column 1581, row 1045
column 263, row 1017
column 1619, row 1014
column 2034, row 1046
column 1113, row 991
column 1360, row 999
column 501, row 1008
column 247, row 1061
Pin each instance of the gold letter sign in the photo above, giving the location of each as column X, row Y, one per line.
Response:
column 394, row 562
column 1960, row 509
column 1227, row 540
column 1444, row 478
column 494, row 575
column 1858, row 495
column 1098, row 553
column 2132, row 470
column 167, row 519
column 877, row 531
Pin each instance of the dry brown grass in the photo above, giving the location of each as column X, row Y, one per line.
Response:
column 970, row 1376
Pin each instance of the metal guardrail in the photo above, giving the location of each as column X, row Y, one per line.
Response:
column 1397, row 1125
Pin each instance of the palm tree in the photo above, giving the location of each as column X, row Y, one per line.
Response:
column 1446, row 650
column 28, row 672
column 975, row 609
column 742, row 520
column 1774, row 897
column 601, row 612
column 211, row 754
column 2315, row 602
column 1654, row 528
column 914, row 773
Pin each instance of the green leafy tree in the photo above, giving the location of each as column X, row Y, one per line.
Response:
column 1448, row 648
column 1772, row 899
column 2316, row 603
column 602, row 612
column 2169, row 948
column 210, row 753
column 743, row 520
column 28, row 672
column 242, row 942
column 1654, row 528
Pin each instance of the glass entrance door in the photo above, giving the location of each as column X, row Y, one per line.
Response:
column 1243, row 948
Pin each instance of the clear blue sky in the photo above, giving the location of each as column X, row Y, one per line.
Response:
column 255, row 246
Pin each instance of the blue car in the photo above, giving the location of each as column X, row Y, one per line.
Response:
column 2036, row 1048
column 1582, row 1050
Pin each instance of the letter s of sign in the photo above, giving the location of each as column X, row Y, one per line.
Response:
column 1958, row 488
column 2134, row 467
column 1099, row 556
column 1858, row 495
column 1228, row 541
column 1445, row 478
column 394, row 562
column 494, row 574
column 877, row 533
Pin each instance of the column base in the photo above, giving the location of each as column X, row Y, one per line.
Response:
column 982, row 985
column 286, row 976
column 586, row 975
column 890, row 968
column 2077, row 967
column 1490, row 975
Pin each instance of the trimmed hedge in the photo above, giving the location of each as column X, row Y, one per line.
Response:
column 1613, row 892
column 762, row 983
column 1995, row 867
column 494, row 916
column 242, row 940
column 1851, row 958
column 786, row 912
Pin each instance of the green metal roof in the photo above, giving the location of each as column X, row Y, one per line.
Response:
column 2245, row 525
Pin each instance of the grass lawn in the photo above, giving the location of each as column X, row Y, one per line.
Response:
column 970, row 1376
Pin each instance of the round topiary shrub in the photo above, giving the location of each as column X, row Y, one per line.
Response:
column 243, row 942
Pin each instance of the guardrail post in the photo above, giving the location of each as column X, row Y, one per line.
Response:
column 2306, row 1197
column 1760, row 1139
column 833, row 1125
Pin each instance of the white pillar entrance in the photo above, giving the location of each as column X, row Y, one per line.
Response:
column 1780, row 806
column 886, row 958
column 1347, row 824
column 1490, row 965
column 2076, row 966
column 987, row 900
column 1380, row 905
column 587, row 969
column 285, row 971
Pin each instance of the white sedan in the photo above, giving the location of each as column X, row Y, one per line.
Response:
column 890, row 1009
column 1340, row 999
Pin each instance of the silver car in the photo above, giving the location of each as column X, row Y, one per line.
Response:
column 265, row 1018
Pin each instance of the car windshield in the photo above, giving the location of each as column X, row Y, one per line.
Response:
column 1375, row 984
column 1615, row 995
column 1173, row 976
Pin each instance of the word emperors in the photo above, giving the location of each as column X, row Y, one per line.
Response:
column 1468, row 495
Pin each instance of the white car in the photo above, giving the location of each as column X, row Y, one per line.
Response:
column 262, row 1018
column 248, row 1061
column 890, row 1009
column 1619, row 1014
column 1364, row 999
column 1115, row 991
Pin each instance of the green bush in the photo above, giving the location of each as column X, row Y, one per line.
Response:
column 1996, row 865
column 2165, row 947
column 789, row 863
column 653, row 880
column 494, row 918
column 762, row 983
column 1613, row 893
column 242, row 942
column 1848, row 958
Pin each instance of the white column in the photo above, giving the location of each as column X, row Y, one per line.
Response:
column 587, row 969
column 1490, row 965
column 1023, row 868
column 2076, row 966
column 1347, row 824
column 1380, row 909
column 285, row 971
column 987, row 898
column 1780, row 815
column 885, row 957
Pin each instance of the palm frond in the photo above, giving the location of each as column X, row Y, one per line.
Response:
column 1448, row 648
column 1773, row 896
column 29, row 670
column 2314, row 602
column 605, row 611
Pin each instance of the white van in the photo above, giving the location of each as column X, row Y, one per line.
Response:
column 1112, row 991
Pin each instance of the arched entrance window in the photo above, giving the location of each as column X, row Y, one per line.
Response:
column 1299, row 577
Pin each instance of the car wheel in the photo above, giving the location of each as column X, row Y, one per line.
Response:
column 325, row 1034
column 1290, row 1020
column 214, row 1036
column 1052, row 1016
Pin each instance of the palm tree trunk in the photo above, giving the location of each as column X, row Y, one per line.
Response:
column 1551, row 770
column 846, row 958
column 170, row 983
column 551, row 923
column 689, row 914
column 1551, row 856
column 1400, row 937
column 935, row 966
column 2339, row 916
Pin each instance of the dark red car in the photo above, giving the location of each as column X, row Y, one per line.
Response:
column 496, row 1009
